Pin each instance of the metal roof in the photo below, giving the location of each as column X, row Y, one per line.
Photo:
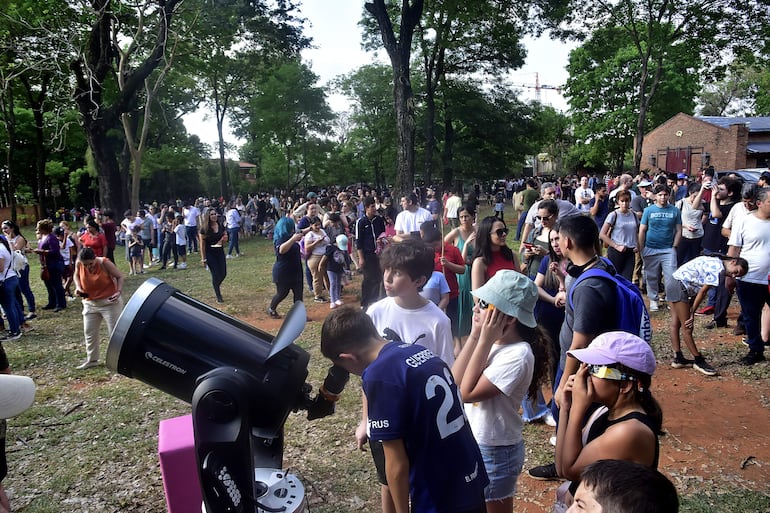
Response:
column 758, row 147
column 755, row 124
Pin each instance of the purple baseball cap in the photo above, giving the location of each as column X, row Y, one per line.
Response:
column 618, row 347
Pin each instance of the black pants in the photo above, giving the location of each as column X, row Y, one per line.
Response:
column 371, row 284
column 623, row 262
column 215, row 259
column 168, row 249
column 282, row 289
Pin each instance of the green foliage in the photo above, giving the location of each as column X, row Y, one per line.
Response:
column 604, row 95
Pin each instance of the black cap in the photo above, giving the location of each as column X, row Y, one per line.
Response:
column 765, row 176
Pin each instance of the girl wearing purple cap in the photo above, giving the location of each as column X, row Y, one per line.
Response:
column 616, row 372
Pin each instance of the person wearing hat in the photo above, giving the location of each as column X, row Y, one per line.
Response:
column 505, row 358
column 616, row 372
column 336, row 260
column 16, row 395
column 680, row 189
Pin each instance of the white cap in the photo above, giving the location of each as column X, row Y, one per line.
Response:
column 17, row 393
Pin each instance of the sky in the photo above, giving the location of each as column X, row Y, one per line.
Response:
column 333, row 26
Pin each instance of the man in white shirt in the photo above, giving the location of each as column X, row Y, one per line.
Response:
column 452, row 207
column 408, row 221
column 191, row 213
column 583, row 195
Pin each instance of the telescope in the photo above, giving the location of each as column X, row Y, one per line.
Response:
column 242, row 383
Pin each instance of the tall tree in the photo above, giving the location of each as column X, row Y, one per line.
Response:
column 457, row 37
column 604, row 88
column 399, row 48
column 286, row 110
column 100, row 102
column 369, row 88
column 711, row 28
column 235, row 43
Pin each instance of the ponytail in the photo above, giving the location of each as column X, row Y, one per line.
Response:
column 541, row 345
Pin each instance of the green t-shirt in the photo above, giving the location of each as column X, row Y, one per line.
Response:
column 529, row 197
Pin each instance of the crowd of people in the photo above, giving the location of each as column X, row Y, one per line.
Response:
column 492, row 328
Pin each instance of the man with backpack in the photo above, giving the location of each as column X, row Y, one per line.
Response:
column 592, row 287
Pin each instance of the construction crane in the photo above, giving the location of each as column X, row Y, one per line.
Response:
column 537, row 86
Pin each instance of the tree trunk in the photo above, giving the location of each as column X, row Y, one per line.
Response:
column 430, row 137
column 405, row 127
column 447, row 156
column 399, row 52
column 110, row 182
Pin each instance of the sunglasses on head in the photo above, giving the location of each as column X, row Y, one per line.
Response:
column 605, row 372
column 501, row 232
column 483, row 305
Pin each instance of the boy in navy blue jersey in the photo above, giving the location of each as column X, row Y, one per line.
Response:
column 414, row 408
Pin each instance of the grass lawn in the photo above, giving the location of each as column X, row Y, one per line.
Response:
column 89, row 443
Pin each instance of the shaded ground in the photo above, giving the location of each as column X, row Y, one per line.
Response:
column 716, row 427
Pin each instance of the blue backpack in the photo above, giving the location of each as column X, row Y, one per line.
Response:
column 632, row 313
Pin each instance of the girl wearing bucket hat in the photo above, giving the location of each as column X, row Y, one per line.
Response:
column 616, row 372
column 505, row 358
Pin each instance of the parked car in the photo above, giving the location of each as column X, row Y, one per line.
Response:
column 750, row 175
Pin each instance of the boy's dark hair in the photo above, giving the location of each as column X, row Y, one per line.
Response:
column 661, row 188
column 344, row 329
column 692, row 188
column 368, row 201
column 430, row 232
column 733, row 187
column 621, row 486
column 412, row 256
column 581, row 229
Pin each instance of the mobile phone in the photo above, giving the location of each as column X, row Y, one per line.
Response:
column 527, row 245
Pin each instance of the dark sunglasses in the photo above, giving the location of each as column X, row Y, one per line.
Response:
column 501, row 232
column 545, row 218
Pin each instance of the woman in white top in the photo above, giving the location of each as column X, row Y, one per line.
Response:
column 316, row 241
column 692, row 223
column 19, row 243
column 750, row 239
column 505, row 358
column 620, row 233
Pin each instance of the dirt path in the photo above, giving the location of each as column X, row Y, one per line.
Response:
column 717, row 428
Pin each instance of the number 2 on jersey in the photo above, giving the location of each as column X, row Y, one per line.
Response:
column 445, row 426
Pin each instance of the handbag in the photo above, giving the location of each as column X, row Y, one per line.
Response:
column 44, row 274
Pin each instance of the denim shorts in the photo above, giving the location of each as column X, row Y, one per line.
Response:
column 503, row 464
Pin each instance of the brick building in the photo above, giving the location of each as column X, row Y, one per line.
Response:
column 686, row 144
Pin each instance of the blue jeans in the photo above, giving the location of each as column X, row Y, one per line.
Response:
column 520, row 225
column 335, row 285
column 232, row 235
column 503, row 464
column 658, row 263
column 192, row 238
column 13, row 311
column 753, row 297
column 25, row 290
column 534, row 410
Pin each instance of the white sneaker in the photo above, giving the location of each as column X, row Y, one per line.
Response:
column 183, row 265
column 339, row 302
column 549, row 420
column 332, row 306
column 653, row 306
column 229, row 257
column 87, row 365
column 553, row 441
